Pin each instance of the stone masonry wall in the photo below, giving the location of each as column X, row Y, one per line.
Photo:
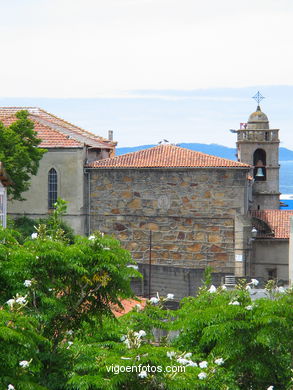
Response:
column 190, row 212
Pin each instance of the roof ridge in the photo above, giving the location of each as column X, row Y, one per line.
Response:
column 56, row 131
column 174, row 146
column 46, row 116
column 89, row 133
column 166, row 156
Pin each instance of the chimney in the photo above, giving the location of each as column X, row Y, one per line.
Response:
column 110, row 135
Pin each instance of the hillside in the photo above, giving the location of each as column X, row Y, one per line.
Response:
column 213, row 149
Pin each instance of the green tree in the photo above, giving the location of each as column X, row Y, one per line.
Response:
column 57, row 330
column 53, row 289
column 255, row 338
column 20, row 153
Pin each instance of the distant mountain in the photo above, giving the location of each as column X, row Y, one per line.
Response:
column 213, row 149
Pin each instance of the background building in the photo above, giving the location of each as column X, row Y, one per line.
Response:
column 258, row 145
column 176, row 210
column 61, row 171
column 193, row 207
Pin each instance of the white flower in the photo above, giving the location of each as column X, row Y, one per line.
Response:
column 187, row 355
column 249, row 307
column 212, row 289
column 27, row 283
column 69, row 344
column 202, row 375
column 11, row 387
column 270, row 388
column 154, row 300
column 248, row 288
column 34, row 236
column 138, row 306
column 10, row 302
column 132, row 266
column 219, row 361
column 24, row 363
column 254, row 282
column 182, row 361
column 170, row 296
column 191, row 364
column 170, row 354
column 91, row 238
column 143, row 374
column 280, row 289
column 141, row 333
column 234, row 303
column 224, row 287
column 203, row 364
column 70, row 332
column 21, row 300
column 122, row 338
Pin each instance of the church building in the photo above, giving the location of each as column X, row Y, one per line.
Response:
column 61, row 170
column 177, row 210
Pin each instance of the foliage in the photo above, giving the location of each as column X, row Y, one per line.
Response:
column 254, row 338
column 20, row 153
column 20, row 342
column 251, row 340
column 57, row 331
column 64, row 287
column 105, row 359
column 54, row 224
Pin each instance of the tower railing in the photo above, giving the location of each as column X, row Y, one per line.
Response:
column 258, row 135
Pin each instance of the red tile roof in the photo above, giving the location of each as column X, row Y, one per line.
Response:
column 128, row 305
column 166, row 156
column 278, row 220
column 56, row 132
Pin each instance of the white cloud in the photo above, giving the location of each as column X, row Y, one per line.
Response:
column 89, row 48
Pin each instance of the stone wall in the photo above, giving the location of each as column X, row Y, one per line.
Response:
column 182, row 282
column 193, row 214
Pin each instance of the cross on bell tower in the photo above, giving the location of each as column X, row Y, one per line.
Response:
column 258, row 98
column 258, row 145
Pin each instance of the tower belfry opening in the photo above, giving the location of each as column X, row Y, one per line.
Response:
column 258, row 145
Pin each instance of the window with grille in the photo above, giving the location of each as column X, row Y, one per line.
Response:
column 52, row 188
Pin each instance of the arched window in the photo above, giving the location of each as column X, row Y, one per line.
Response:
column 259, row 162
column 52, row 188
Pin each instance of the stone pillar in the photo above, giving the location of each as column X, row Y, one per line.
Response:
column 291, row 252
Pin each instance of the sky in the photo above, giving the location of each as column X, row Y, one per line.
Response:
column 150, row 69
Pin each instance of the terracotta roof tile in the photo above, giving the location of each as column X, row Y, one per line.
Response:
column 128, row 305
column 50, row 137
column 278, row 220
column 165, row 156
column 54, row 131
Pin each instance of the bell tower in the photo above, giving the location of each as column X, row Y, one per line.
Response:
column 258, row 145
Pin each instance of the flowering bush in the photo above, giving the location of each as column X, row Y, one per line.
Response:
column 57, row 330
column 254, row 338
column 48, row 291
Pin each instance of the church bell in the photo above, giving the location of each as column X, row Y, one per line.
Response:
column 259, row 172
